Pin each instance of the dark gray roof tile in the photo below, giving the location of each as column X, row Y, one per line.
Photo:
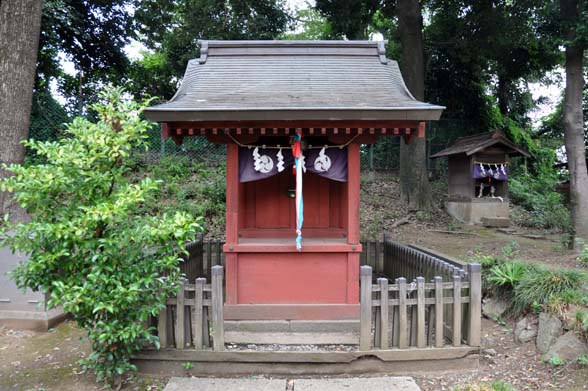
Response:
column 292, row 80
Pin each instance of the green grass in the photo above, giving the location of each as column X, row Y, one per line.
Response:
column 531, row 287
column 189, row 187
column 543, row 285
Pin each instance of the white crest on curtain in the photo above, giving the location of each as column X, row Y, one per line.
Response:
column 322, row 163
column 262, row 163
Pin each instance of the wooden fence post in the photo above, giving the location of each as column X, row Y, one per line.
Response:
column 217, row 308
column 197, row 311
column 162, row 326
column 384, row 318
column 180, row 330
column 421, row 342
column 439, row 332
column 456, row 323
column 402, row 318
column 475, row 312
column 365, row 335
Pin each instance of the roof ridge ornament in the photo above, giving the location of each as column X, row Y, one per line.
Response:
column 203, row 52
column 382, row 52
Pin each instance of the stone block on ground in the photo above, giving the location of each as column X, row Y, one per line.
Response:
column 494, row 308
column 525, row 330
column 384, row 383
column 550, row 328
column 495, row 222
column 568, row 347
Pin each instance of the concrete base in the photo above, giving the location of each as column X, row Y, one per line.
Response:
column 29, row 320
column 265, row 384
column 292, row 332
column 367, row 365
column 478, row 209
column 22, row 310
column 170, row 362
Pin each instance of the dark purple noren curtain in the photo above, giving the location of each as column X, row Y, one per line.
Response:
column 496, row 171
column 332, row 166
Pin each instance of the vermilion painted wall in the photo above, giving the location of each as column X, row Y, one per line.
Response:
column 266, row 278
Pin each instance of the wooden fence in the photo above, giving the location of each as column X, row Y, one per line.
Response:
column 426, row 301
column 195, row 316
column 410, row 262
column 420, row 314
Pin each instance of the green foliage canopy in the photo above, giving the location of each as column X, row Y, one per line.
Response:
column 89, row 244
column 171, row 29
column 90, row 34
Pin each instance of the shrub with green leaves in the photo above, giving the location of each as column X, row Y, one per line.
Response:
column 542, row 285
column 537, row 203
column 583, row 258
column 89, row 242
column 507, row 274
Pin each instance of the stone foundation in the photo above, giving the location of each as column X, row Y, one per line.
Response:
column 475, row 210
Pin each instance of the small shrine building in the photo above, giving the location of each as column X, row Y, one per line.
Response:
column 293, row 115
column 478, row 178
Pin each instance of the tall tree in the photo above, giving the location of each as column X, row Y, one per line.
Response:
column 90, row 34
column 171, row 29
column 480, row 46
column 352, row 18
column 415, row 188
column 575, row 26
column 20, row 22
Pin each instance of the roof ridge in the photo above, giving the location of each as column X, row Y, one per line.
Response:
column 285, row 42
column 292, row 48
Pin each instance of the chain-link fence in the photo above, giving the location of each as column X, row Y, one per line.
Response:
column 196, row 149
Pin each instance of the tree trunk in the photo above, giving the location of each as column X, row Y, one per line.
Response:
column 414, row 180
column 502, row 96
column 20, row 24
column 573, row 123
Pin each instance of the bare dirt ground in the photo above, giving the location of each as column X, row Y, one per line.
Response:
column 49, row 361
column 435, row 229
column 504, row 360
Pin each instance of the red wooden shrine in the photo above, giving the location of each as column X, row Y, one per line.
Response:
column 261, row 93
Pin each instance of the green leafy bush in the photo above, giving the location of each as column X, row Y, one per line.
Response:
column 557, row 362
column 583, row 258
column 507, row 274
column 541, row 285
column 90, row 243
column 539, row 205
column 188, row 187
column 511, row 250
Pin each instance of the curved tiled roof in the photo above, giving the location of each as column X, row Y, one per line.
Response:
column 326, row 80
column 478, row 142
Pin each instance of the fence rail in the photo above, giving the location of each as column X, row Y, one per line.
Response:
column 429, row 302
column 420, row 314
column 195, row 315
column 404, row 261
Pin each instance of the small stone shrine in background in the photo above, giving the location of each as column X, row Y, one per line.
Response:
column 478, row 178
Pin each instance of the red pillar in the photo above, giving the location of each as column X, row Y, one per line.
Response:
column 232, row 222
column 353, row 235
column 353, row 171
